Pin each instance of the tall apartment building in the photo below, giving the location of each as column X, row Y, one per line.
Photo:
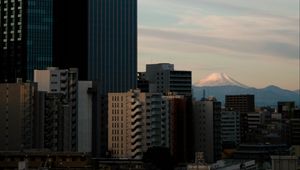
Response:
column 54, row 122
column 64, row 84
column 26, row 31
column 136, row 121
column 230, row 129
column 243, row 104
column 207, row 123
column 17, row 116
column 163, row 78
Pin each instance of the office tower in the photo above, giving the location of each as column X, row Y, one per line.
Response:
column 70, row 35
column 26, row 31
column 112, row 44
column 17, row 116
column 136, row 122
column 207, row 122
column 85, row 113
column 112, row 55
column 63, row 82
column 243, row 104
column 163, row 78
column 230, row 129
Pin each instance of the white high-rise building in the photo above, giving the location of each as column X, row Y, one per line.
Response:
column 136, row 121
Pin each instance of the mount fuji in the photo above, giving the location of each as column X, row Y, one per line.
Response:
column 221, row 84
column 219, row 79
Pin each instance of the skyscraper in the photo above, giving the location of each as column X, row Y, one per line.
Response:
column 112, row 44
column 26, row 30
column 112, row 57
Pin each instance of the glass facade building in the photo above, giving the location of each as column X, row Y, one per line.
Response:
column 112, row 44
column 26, row 28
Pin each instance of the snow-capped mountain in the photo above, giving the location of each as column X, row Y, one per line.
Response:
column 220, row 84
column 219, row 79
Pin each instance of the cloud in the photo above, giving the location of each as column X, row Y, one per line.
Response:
column 256, row 36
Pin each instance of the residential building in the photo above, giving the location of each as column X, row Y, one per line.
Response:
column 136, row 122
column 230, row 129
column 207, row 123
column 61, row 85
column 26, row 34
column 243, row 104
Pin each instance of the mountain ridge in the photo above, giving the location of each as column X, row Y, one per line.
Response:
column 267, row 96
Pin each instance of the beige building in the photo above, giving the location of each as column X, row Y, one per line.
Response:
column 136, row 121
column 17, row 115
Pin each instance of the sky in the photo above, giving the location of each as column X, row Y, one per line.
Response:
column 256, row 42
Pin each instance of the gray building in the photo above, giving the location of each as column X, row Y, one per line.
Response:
column 61, row 99
column 207, row 128
column 163, row 78
column 17, row 116
column 85, row 110
column 230, row 129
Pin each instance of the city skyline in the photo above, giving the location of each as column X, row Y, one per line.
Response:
column 257, row 42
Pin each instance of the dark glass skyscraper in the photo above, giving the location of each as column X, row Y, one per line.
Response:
column 112, row 44
column 70, row 35
column 26, row 29
column 112, row 57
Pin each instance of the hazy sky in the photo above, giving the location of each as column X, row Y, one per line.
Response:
column 254, row 41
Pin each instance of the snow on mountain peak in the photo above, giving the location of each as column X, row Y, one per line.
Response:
column 219, row 79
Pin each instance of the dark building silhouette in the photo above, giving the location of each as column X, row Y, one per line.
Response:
column 26, row 31
column 103, row 48
column 243, row 104
column 142, row 83
column 112, row 56
column 286, row 108
column 70, row 35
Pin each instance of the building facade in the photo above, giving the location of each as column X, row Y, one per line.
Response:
column 112, row 44
column 230, row 129
column 26, row 31
column 63, row 83
column 243, row 104
column 136, row 122
column 85, row 115
column 17, row 116
column 207, row 123
column 163, row 78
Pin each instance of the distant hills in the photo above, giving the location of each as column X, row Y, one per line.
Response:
column 220, row 84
